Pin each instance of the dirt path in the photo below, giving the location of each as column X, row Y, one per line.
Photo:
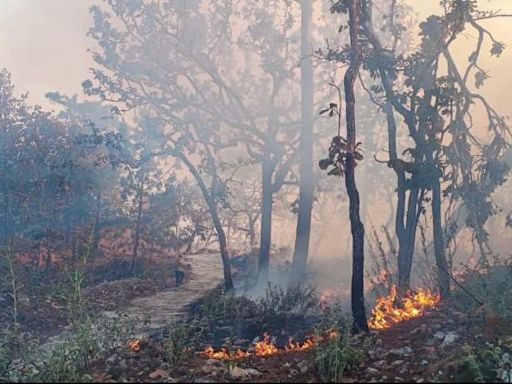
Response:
column 173, row 304
column 153, row 312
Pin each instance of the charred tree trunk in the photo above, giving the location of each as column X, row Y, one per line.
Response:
column 138, row 224
column 266, row 220
column 406, row 242
column 306, row 191
column 212, row 209
column 358, row 309
column 442, row 265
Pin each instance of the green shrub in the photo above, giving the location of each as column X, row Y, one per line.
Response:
column 279, row 305
column 480, row 365
column 218, row 306
column 335, row 357
column 179, row 337
column 494, row 288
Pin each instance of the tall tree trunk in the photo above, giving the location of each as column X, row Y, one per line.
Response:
column 138, row 224
column 252, row 231
column 406, row 221
column 212, row 209
column 442, row 266
column 266, row 220
column 228, row 282
column 407, row 242
column 96, row 229
column 358, row 309
column 306, row 191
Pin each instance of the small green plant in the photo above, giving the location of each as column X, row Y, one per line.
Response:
column 179, row 337
column 335, row 357
column 63, row 364
column 478, row 365
column 5, row 358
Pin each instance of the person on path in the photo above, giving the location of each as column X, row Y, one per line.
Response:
column 179, row 270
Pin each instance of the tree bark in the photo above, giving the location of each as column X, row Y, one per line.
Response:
column 138, row 224
column 406, row 243
column 96, row 230
column 306, row 191
column 266, row 220
column 442, row 265
column 358, row 309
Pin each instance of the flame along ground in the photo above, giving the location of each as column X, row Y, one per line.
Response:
column 134, row 345
column 386, row 313
column 267, row 348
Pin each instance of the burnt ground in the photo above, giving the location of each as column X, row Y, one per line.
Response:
column 425, row 349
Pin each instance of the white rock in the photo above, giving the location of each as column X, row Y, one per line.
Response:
column 450, row 338
column 239, row 373
column 401, row 351
column 439, row 335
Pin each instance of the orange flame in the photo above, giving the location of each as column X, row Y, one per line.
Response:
column 224, row 354
column 134, row 345
column 385, row 314
column 267, row 348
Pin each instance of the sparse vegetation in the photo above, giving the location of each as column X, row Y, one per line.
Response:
column 334, row 358
column 164, row 222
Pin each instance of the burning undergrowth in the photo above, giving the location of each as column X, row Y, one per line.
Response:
column 389, row 310
column 286, row 313
column 267, row 347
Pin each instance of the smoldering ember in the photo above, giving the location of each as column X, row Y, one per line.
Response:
column 255, row 191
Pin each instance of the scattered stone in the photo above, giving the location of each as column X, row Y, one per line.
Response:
column 450, row 338
column 439, row 335
column 380, row 363
column 237, row 373
column 397, row 363
column 401, row 351
column 371, row 371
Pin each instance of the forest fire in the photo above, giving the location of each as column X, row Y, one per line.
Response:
column 326, row 297
column 134, row 345
column 386, row 313
column 266, row 347
column 225, row 354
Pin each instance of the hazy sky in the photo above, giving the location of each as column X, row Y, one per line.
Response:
column 44, row 44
